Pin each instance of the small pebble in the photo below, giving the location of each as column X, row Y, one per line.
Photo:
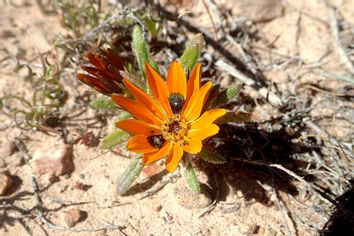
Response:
column 261, row 231
column 73, row 216
column 5, row 183
column 81, row 186
column 158, row 208
column 53, row 159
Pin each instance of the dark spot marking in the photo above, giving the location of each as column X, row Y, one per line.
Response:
column 156, row 141
column 176, row 102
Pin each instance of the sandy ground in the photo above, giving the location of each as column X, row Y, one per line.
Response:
column 248, row 203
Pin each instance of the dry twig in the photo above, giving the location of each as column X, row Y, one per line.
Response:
column 264, row 92
column 336, row 40
column 282, row 208
column 290, row 173
column 344, row 148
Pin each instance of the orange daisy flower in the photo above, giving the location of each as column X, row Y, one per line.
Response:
column 169, row 123
column 104, row 76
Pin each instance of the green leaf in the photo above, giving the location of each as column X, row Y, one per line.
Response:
column 232, row 92
column 226, row 95
column 190, row 176
column 151, row 26
column 122, row 116
column 111, row 140
column 212, row 157
column 103, row 103
column 141, row 50
column 192, row 52
column 129, row 175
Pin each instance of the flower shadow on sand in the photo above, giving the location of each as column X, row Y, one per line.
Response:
column 243, row 148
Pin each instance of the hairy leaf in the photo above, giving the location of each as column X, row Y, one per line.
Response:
column 141, row 50
column 117, row 137
column 192, row 52
column 129, row 175
column 212, row 157
column 226, row 95
column 190, row 176
column 103, row 103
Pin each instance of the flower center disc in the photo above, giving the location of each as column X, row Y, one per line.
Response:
column 175, row 129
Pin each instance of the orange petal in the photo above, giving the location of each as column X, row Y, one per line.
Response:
column 154, row 156
column 144, row 99
column 196, row 103
column 207, row 118
column 204, row 133
column 138, row 127
column 194, row 146
column 176, row 79
column 158, row 88
column 194, row 81
column 136, row 110
column 140, row 143
column 174, row 157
